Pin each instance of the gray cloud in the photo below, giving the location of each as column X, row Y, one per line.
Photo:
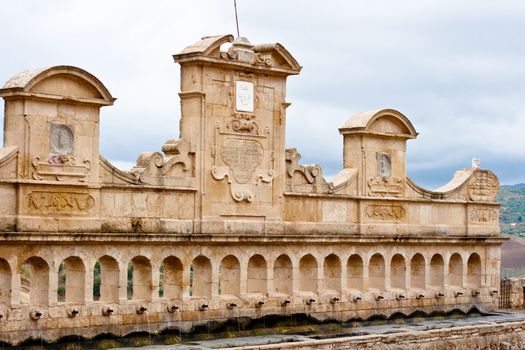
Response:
column 454, row 68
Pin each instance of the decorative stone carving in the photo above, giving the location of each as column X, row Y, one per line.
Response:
column 151, row 166
column 386, row 186
column 385, row 212
column 483, row 186
column 60, row 202
column 261, row 58
column 239, row 159
column 475, row 163
column 311, row 172
column 61, row 167
column 312, row 176
column 483, row 215
column 244, row 123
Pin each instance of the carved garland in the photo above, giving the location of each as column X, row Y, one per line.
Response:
column 60, row 202
column 385, row 212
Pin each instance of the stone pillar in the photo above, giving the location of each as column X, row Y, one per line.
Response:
column 320, row 278
column 365, row 275
column 52, row 285
column 388, row 274
column 185, row 288
column 15, row 288
column 215, row 277
column 123, row 282
column 243, row 277
column 88, row 283
column 269, row 279
column 155, row 279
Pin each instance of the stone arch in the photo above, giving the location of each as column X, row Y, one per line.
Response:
column 72, row 278
column 257, row 275
column 474, row 271
column 417, row 271
column 106, row 279
column 455, row 270
column 354, row 272
column 200, row 277
column 139, row 278
column 171, row 278
column 5, row 282
column 398, row 272
column 437, row 271
column 308, row 274
column 332, row 273
column 283, row 275
column 376, row 272
column 34, row 281
column 229, row 276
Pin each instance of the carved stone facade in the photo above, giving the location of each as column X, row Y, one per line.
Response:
column 229, row 203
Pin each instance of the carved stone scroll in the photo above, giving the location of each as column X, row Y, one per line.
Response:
column 152, row 167
column 60, row 202
column 385, row 212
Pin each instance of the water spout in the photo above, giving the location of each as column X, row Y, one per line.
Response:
column 420, row 296
column 401, row 297
column 285, row 302
column 72, row 312
column 379, row 297
column 439, row 295
column 458, row 294
column 107, row 311
column 476, row 292
column 231, row 306
column 493, row 292
column 334, row 300
column 141, row 309
column 203, row 307
column 310, row 301
column 259, row 304
column 172, row 308
column 35, row 315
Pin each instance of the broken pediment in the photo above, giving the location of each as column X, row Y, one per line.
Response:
column 272, row 57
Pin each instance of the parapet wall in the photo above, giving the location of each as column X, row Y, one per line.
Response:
column 224, row 221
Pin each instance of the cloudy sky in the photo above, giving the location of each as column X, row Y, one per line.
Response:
column 455, row 68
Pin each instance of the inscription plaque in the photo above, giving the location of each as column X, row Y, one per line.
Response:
column 244, row 96
column 242, row 156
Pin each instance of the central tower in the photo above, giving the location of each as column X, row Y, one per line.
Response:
column 233, row 117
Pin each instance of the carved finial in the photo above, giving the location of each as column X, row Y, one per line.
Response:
column 475, row 163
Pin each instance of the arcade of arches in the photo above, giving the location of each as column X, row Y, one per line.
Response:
column 224, row 221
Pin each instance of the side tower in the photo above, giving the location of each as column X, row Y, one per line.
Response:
column 233, row 117
column 51, row 128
